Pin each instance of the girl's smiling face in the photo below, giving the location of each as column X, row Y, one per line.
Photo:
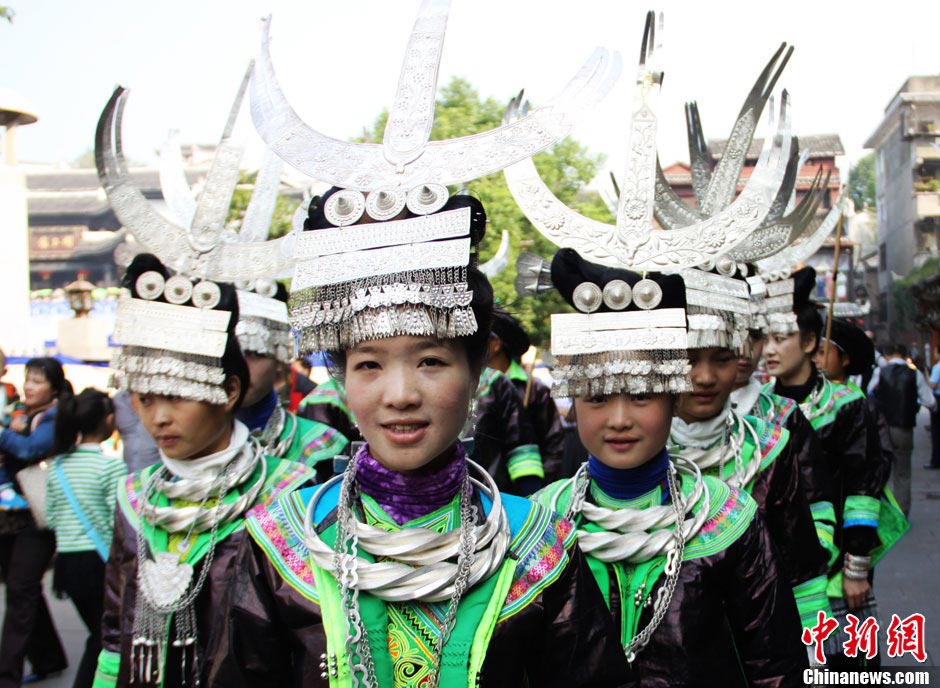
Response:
column 624, row 430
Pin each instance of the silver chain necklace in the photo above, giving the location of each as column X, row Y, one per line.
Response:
column 471, row 564
column 683, row 531
column 165, row 586
column 270, row 436
column 810, row 407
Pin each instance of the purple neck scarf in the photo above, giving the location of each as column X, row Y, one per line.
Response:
column 407, row 496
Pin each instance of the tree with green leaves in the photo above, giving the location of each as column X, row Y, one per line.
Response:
column 862, row 182
column 567, row 168
column 284, row 207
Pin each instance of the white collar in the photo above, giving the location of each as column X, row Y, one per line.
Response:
column 208, row 466
column 700, row 434
column 744, row 398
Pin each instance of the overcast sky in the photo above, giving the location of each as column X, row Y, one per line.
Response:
column 338, row 62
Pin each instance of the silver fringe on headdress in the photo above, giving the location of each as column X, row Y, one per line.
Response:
column 263, row 326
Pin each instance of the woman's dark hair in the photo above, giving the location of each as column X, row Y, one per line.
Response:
column 810, row 323
column 233, row 361
column 52, row 370
column 80, row 414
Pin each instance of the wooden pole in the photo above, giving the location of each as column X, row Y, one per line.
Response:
column 528, row 383
column 835, row 281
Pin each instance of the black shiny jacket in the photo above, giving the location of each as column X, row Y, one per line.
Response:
column 732, row 622
column 782, row 499
column 543, row 417
column 500, row 425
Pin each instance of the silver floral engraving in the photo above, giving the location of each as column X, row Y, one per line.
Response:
column 366, row 167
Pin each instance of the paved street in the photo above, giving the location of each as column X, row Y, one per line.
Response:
column 906, row 581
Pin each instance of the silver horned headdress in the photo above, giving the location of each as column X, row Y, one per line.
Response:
column 172, row 330
column 627, row 341
column 633, row 242
column 405, row 272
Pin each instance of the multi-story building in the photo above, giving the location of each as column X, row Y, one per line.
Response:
column 907, row 178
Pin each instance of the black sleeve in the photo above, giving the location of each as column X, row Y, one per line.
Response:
column 863, row 469
column 790, row 521
column 761, row 611
column 810, row 457
column 549, row 432
column 251, row 649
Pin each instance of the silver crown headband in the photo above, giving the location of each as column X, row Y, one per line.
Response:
column 169, row 349
column 639, row 350
column 633, row 242
column 364, row 281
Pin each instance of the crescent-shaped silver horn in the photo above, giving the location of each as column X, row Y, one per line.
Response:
column 500, row 259
column 724, row 179
column 155, row 233
column 364, row 167
column 212, row 207
column 256, row 225
column 177, row 193
column 700, row 164
column 169, row 241
column 790, row 257
column 408, row 128
column 671, row 211
column 770, row 238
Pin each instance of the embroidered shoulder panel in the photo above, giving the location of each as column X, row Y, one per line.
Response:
column 773, row 407
column 316, row 442
column 844, row 394
column 130, row 494
column 730, row 513
column 486, row 381
column 773, row 438
column 283, row 477
column 278, row 530
column 328, row 392
column 540, row 545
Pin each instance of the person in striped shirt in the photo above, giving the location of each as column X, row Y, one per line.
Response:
column 80, row 501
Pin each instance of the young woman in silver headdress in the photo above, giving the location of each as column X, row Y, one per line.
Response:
column 753, row 454
column 179, row 523
column 685, row 561
column 412, row 568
